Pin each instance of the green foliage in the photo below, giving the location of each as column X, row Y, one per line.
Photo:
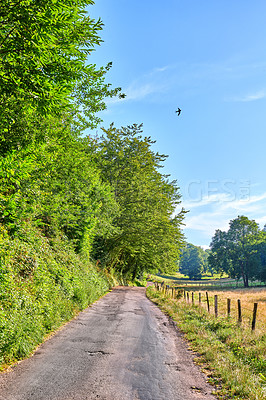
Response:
column 148, row 234
column 14, row 169
column 42, row 284
column 240, row 252
column 44, row 69
column 58, row 187
column 49, row 94
column 44, row 48
column 65, row 197
column 193, row 261
column 68, row 192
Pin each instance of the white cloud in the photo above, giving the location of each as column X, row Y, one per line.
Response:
column 225, row 201
column 162, row 69
column 207, row 222
column 206, row 200
column 138, row 92
column 153, row 82
column 162, row 80
column 215, row 211
column 250, row 97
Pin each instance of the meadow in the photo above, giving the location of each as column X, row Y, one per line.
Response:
column 230, row 353
column 247, row 298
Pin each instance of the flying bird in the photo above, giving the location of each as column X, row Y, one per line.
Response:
column 178, row 111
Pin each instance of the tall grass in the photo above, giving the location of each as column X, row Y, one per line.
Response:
column 247, row 297
column 43, row 283
column 232, row 356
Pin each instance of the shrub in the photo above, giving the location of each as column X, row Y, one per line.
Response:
column 42, row 285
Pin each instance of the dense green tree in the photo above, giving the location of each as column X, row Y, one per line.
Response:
column 207, row 267
column 44, row 69
column 57, row 186
column 193, row 261
column 104, row 194
column 149, row 236
column 234, row 251
column 68, row 192
column 44, row 46
column 259, row 255
column 49, row 94
column 218, row 259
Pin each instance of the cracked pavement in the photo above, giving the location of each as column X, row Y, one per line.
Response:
column 121, row 348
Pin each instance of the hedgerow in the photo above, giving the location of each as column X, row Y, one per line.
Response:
column 43, row 283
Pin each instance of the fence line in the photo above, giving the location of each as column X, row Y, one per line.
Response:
column 179, row 293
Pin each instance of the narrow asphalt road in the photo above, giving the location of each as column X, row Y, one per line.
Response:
column 121, row 348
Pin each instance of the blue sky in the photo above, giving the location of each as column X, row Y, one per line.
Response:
column 208, row 58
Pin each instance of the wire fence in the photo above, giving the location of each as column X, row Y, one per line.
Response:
column 217, row 305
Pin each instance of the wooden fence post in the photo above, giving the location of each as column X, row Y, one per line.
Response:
column 208, row 303
column 199, row 298
column 216, row 305
column 184, row 294
column 254, row 316
column 228, row 307
column 239, row 311
column 192, row 294
column 187, row 297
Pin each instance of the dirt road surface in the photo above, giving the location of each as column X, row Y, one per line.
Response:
column 121, row 348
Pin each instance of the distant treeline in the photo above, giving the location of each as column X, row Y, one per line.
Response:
column 240, row 253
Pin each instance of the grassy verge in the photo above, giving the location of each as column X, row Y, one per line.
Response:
column 43, row 284
column 232, row 356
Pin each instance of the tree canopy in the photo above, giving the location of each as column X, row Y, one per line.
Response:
column 193, row 261
column 44, row 49
column 104, row 196
column 148, row 234
column 240, row 252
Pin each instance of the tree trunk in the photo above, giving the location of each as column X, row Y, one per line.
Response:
column 244, row 275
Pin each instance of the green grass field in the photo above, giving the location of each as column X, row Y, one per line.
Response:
column 214, row 280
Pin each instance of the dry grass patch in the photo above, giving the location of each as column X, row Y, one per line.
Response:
column 247, row 298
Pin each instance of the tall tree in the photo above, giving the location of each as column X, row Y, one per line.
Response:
column 149, row 236
column 57, row 186
column 193, row 261
column 44, row 45
column 49, row 94
column 234, row 251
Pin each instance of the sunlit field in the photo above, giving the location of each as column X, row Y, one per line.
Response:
column 229, row 351
column 247, row 297
column 225, row 288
